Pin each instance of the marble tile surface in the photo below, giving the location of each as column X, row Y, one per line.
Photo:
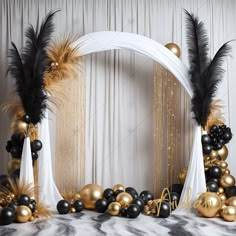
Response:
column 91, row 223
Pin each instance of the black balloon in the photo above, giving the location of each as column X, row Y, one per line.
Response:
column 117, row 192
column 206, row 139
column 4, row 180
column 108, row 193
column 227, row 136
column 34, row 156
column 111, row 199
column 32, row 207
column 139, row 201
column 78, row 205
column 133, row 211
column 212, row 186
column 7, row 215
column 63, row 207
column 13, row 205
column 214, row 128
column 230, row 191
column 32, row 201
column 147, row 194
column 26, row 118
column 16, row 151
column 123, row 212
column 132, row 192
column 177, row 188
column 210, row 179
column 174, row 200
column 101, row 205
column 24, row 200
column 217, row 146
column 215, row 172
column 207, row 149
column 36, row 145
column 163, row 209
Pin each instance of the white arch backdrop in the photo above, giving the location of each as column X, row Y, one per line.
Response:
column 108, row 40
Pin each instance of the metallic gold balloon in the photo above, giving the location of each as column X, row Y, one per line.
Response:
column 31, row 218
column 229, row 213
column 231, row 201
column 72, row 210
column 12, row 165
column 124, row 199
column 227, row 171
column 19, row 127
column 118, row 187
column 89, row 194
column 114, row 209
column 223, row 164
column 227, row 181
column 77, row 196
column 208, row 204
column 222, row 197
column 23, row 214
column 183, row 174
column 220, row 190
column 213, row 154
column 174, row 48
column 223, row 153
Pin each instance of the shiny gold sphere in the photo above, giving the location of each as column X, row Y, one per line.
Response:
column 213, row 154
column 72, row 210
column 19, row 127
column 227, row 181
column 231, row 201
column 77, row 196
column 223, row 153
column 114, row 209
column 89, row 194
column 223, row 164
column 208, row 204
column 220, row 190
column 229, row 213
column 222, row 197
column 183, row 174
column 227, row 171
column 118, row 187
column 174, row 48
column 124, row 199
column 23, row 214
column 12, row 165
column 206, row 158
column 31, row 218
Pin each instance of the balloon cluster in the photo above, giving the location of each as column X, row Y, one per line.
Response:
column 65, row 207
column 20, row 210
column 36, row 146
column 216, row 139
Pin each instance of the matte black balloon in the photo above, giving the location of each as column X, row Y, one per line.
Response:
column 230, row 191
column 123, row 212
column 147, row 194
column 207, row 149
column 101, row 205
column 218, row 146
column 221, row 141
column 26, row 118
column 210, row 179
column 214, row 128
column 174, row 200
column 117, row 192
column 206, row 139
column 111, row 199
column 177, row 188
column 163, row 209
column 16, row 151
column 78, row 205
column 34, row 155
column 108, row 193
column 132, row 192
column 145, row 200
column 139, row 201
column 227, row 136
column 4, row 180
column 133, row 211
column 63, row 207
column 36, row 145
column 215, row 172
column 13, row 205
column 7, row 215
column 24, row 200
column 212, row 186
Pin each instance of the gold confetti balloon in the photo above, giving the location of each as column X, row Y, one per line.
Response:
column 227, row 180
column 23, row 214
column 114, row 209
column 174, row 48
column 89, row 194
column 182, row 175
column 208, row 204
column 118, row 187
column 229, row 213
column 223, row 153
column 124, row 199
column 231, row 201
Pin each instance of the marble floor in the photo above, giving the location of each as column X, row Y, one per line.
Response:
column 91, row 223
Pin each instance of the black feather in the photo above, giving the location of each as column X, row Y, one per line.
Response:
column 28, row 68
column 205, row 74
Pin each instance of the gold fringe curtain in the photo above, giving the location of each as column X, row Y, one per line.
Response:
column 70, row 136
column 170, row 152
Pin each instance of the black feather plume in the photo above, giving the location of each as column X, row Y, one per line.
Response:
column 28, row 68
column 205, row 74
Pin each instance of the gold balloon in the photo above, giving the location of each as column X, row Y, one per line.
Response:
column 231, row 201
column 223, row 164
column 72, row 210
column 227, row 181
column 213, row 154
column 114, row 209
column 23, row 214
column 229, row 213
column 174, row 48
column 227, row 171
column 118, row 187
column 223, row 153
column 12, row 165
column 220, row 190
column 31, row 218
column 222, row 197
column 183, row 174
column 89, row 194
column 124, row 199
column 208, row 204
column 19, row 127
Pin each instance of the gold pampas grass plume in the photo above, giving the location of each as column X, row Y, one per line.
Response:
column 216, row 115
column 69, row 196
column 42, row 211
